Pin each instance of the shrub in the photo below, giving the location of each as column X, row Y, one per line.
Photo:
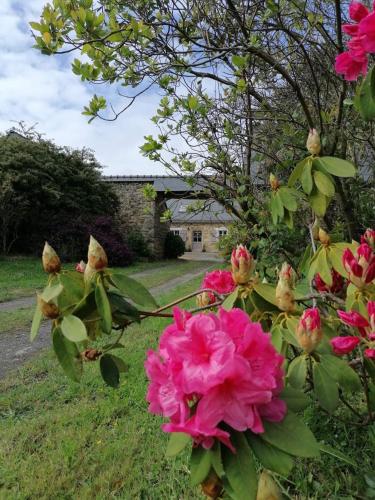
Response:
column 138, row 245
column 174, row 246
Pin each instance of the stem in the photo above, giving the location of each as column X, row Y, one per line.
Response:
column 341, row 396
column 314, row 250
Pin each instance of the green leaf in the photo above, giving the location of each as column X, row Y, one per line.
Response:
column 279, row 207
column 288, row 199
column 335, row 257
column 325, row 388
column 295, row 399
column 337, row 454
column 200, row 465
column 277, row 338
column 216, row 462
column 260, row 303
column 109, row 370
column 51, row 292
column 297, row 372
column 73, row 328
column 364, row 101
column 104, row 307
column 292, row 436
column 267, row 291
column 239, row 61
column 35, row 325
column 306, row 178
column 120, row 363
column 121, row 307
column 318, row 202
column 296, row 174
column 68, row 355
column 230, row 300
column 133, row 290
column 270, row 457
column 193, row 102
column 239, row 468
column 177, row 442
column 340, row 371
column 336, row 166
column 324, row 184
column 323, row 267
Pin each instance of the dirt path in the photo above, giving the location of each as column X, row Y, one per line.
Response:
column 15, row 346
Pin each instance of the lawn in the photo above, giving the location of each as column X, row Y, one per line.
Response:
column 21, row 276
column 64, row 440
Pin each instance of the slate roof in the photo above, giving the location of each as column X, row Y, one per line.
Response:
column 161, row 183
column 213, row 212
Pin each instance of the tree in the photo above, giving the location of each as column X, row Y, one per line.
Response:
column 43, row 187
column 242, row 83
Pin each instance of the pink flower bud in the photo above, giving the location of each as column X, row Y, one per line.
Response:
column 205, row 299
column 357, row 11
column 371, row 315
column 50, row 260
column 274, row 182
column 243, row 265
column 81, row 266
column 313, row 142
column 96, row 257
column 337, row 283
column 309, row 333
column 369, row 238
column 361, row 267
column 353, row 318
column 369, row 353
column 344, row 345
column 284, row 289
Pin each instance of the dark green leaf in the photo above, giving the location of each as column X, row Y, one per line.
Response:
column 200, row 465
column 177, row 442
column 216, row 462
column 270, row 457
column 73, row 328
column 104, row 307
column 133, row 290
column 296, row 174
column 68, row 355
column 364, row 101
column 295, row 399
column 297, row 372
column 324, row 184
column 336, row 166
column 306, row 178
column 318, row 203
column 239, row 468
column 292, row 436
column 120, row 363
column 337, row 454
column 109, row 370
column 325, row 388
column 340, row 371
column 267, row 291
column 122, row 306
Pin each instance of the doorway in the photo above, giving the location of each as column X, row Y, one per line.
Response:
column 197, row 241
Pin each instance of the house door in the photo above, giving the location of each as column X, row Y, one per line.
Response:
column 197, row 241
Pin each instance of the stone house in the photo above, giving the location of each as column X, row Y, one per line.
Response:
column 200, row 230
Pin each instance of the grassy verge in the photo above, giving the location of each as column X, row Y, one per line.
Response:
column 21, row 276
column 20, row 318
column 64, row 440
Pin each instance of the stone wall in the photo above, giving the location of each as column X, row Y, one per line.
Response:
column 136, row 213
column 209, row 230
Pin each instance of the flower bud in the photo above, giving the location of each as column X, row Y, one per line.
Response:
column 81, row 266
column 212, row 486
column 361, row 268
column 309, row 333
column 313, row 142
column 274, row 182
column 243, row 265
column 344, row 345
column 205, row 299
column 91, row 354
column 324, row 237
column 315, row 230
column 88, row 273
column 267, row 488
column 337, row 283
column 96, row 256
column 369, row 353
column 284, row 289
column 369, row 238
column 49, row 309
column 50, row 260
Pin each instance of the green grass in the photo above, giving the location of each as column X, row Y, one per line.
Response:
column 20, row 318
column 22, row 276
column 63, row 440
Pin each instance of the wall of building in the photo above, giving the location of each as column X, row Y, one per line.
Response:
column 210, row 235
column 136, row 213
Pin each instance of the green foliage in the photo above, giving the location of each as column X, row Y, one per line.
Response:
column 174, row 246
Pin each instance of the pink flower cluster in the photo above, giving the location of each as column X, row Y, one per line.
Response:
column 354, row 61
column 366, row 327
column 212, row 369
column 219, row 281
column 361, row 267
column 337, row 283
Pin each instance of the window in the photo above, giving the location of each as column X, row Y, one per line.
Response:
column 223, row 232
column 197, row 236
column 176, row 232
column 182, row 209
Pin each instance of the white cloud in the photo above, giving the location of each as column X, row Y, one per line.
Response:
column 41, row 89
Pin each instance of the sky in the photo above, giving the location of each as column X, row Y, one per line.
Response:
column 42, row 90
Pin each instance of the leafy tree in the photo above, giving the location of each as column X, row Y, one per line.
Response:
column 43, row 187
column 242, row 83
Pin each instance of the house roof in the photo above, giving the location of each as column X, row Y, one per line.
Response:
column 161, row 183
column 212, row 212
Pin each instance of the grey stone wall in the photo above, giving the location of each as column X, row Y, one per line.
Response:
column 138, row 214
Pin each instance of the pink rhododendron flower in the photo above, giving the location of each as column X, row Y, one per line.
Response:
column 365, row 326
column 219, row 281
column 337, row 283
column 309, row 333
column 369, row 353
column 81, row 266
column 211, row 369
column 350, row 67
column 358, row 11
column 369, row 238
column 366, row 31
column 361, row 267
column 243, row 265
column 344, row 345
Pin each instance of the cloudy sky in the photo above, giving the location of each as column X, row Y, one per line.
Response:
column 43, row 90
